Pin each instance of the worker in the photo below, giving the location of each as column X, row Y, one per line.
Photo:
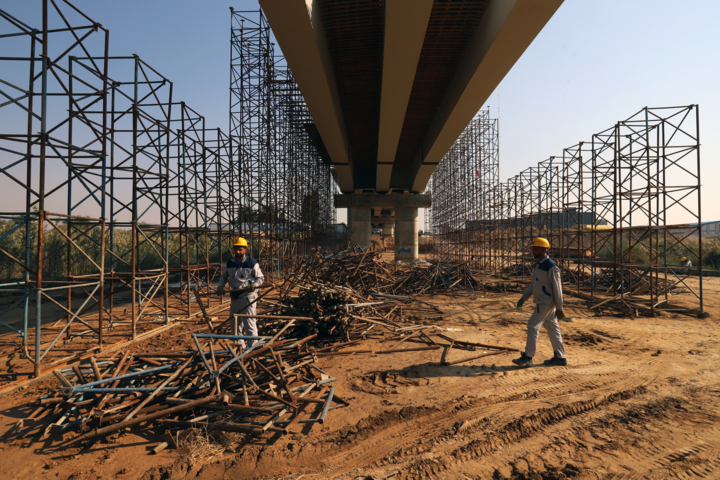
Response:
column 546, row 290
column 242, row 272
column 686, row 264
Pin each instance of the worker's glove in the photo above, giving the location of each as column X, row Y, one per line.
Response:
column 252, row 288
column 221, row 291
column 520, row 304
column 560, row 314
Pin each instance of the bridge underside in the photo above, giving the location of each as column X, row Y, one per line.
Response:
column 391, row 84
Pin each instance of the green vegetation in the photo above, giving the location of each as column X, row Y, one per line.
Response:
column 640, row 253
column 87, row 236
column 711, row 254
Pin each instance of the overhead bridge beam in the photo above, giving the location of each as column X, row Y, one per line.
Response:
column 506, row 30
column 298, row 28
column 391, row 200
column 392, row 84
column 405, row 26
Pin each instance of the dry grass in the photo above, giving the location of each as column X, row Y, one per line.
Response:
column 198, row 444
column 383, row 244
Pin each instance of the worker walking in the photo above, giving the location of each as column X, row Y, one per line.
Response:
column 546, row 290
column 242, row 273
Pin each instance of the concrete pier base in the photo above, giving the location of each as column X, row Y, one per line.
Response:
column 359, row 207
column 359, row 226
column 388, row 229
column 406, row 233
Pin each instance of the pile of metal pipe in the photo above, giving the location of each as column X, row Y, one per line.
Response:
column 254, row 384
column 219, row 385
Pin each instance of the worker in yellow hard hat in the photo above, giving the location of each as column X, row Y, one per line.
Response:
column 243, row 275
column 546, row 290
column 686, row 264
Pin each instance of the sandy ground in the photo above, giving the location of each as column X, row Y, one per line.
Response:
column 639, row 399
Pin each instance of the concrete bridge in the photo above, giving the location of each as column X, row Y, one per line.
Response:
column 391, row 84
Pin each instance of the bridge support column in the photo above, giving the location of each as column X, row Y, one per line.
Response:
column 406, row 233
column 388, row 229
column 359, row 226
column 406, row 206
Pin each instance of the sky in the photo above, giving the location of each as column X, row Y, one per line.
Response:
column 594, row 63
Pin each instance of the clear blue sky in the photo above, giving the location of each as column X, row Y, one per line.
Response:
column 596, row 62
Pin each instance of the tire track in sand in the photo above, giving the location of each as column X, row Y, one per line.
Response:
column 436, row 435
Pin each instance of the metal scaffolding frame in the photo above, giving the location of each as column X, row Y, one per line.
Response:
column 287, row 188
column 606, row 205
column 465, row 189
column 119, row 196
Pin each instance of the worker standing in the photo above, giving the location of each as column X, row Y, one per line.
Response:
column 686, row 264
column 242, row 272
column 546, row 290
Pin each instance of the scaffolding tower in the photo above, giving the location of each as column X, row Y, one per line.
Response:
column 286, row 207
column 120, row 205
column 610, row 208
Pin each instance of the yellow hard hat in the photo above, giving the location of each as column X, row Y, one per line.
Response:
column 683, row 259
column 540, row 242
column 240, row 242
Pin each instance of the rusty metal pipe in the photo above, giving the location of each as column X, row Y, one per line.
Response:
column 148, row 418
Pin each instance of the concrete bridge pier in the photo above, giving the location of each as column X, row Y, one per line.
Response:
column 406, row 234
column 388, row 229
column 406, row 206
column 359, row 226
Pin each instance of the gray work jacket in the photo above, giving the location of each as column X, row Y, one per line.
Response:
column 241, row 274
column 546, row 284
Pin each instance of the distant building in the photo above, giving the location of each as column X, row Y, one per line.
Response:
column 339, row 228
column 550, row 220
column 709, row 229
column 225, row 227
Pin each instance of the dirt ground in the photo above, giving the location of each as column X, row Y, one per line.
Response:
column 638, row 399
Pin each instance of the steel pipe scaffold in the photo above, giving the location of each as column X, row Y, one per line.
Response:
column 120, row 204
column 610, row 207
column 286, row 187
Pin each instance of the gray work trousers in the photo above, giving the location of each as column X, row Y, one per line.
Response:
column 243, row 325
column 544, row 315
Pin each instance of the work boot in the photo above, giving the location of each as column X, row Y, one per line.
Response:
column 555, row 361
column 523, row 361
